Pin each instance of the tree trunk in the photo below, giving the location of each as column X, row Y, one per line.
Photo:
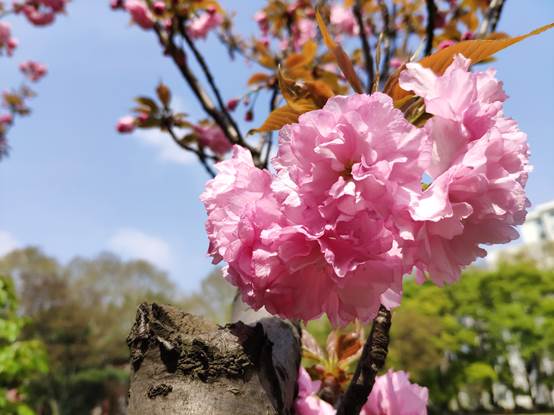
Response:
column 183, row 364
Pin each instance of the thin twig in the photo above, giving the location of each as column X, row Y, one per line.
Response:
column 390, row 35
column 366, row 48
column 269, row 138
column 430, row 28
column 211, row 81
column 493, row 16
column 372, row 360
column 202, row 157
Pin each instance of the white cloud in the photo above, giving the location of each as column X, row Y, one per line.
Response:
column 7, row 243
column 134, row 244
column 166, row 148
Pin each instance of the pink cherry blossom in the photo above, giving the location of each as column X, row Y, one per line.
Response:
column 302, row 31
column 6, row 39
column 140, row 13
column 126, row 124
column 307, row 402
column 212, row 136
column 343, row 21
column 478, row 166
column 261, row 19
column 6, row 119
column 393, row 394
column 446, row 43
column 199, row 27
column 396, row 63
column 40, row 12
column 33, row 70
column 320, row 236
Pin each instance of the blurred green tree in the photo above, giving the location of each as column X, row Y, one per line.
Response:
column 20, row 360
column 465, row 341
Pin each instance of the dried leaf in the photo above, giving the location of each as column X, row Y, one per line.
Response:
column 475, row 50
column 344, row 62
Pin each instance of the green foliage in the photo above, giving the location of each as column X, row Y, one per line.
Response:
column 83, row 312
column 20, row 360
column 462, row 337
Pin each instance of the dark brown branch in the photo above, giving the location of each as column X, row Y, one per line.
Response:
column 211, row 81
column 269, row 138
column 202, row 157
column 430, row 28
column 390, row 35
column 492, row 18
column 372, row 360
column 366, row 48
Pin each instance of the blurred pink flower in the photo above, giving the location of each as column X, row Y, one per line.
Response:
column 6, row 119
column 307, row 402
column 393, row 394
column 479, row 169
column 139, row 13
column 261, row 19
column 199, row 27
column 126, row 124
column 302, row 31
column 343, row 21
column 33, row 70
column 396, row 63
column 212, row 136
column 6, row 39
column 445, row 44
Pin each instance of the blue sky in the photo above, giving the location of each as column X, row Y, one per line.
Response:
column 73, row 186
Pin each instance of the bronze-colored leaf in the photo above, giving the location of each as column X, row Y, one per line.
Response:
column 344, row 62
column 277, row 118
column 348, row 345
column 148, row 103
column 475, row 50
column 305, row 96
column 258, row 78
column 164, row 94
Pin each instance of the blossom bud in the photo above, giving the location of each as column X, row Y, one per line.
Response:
column 126, row 124
column 232, row 104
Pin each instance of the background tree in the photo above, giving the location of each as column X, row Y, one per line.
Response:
column 21, row 361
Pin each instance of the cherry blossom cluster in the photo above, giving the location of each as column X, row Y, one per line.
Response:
column 40, row 12
column 206, row 135
column 360, row 197
column 145, row 15
column 392, row 394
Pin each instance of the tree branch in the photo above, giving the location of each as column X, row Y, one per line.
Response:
column 390, row 34
column 202, row 157
column 272, row 106
column 179, row 58
column 210, row 78
column 366, row 48
column 372, row 360
column 493, row 16
column 430, row 28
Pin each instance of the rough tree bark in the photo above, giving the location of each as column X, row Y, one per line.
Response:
column 183, row 364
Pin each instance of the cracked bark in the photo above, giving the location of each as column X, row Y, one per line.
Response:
column 183, row 364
